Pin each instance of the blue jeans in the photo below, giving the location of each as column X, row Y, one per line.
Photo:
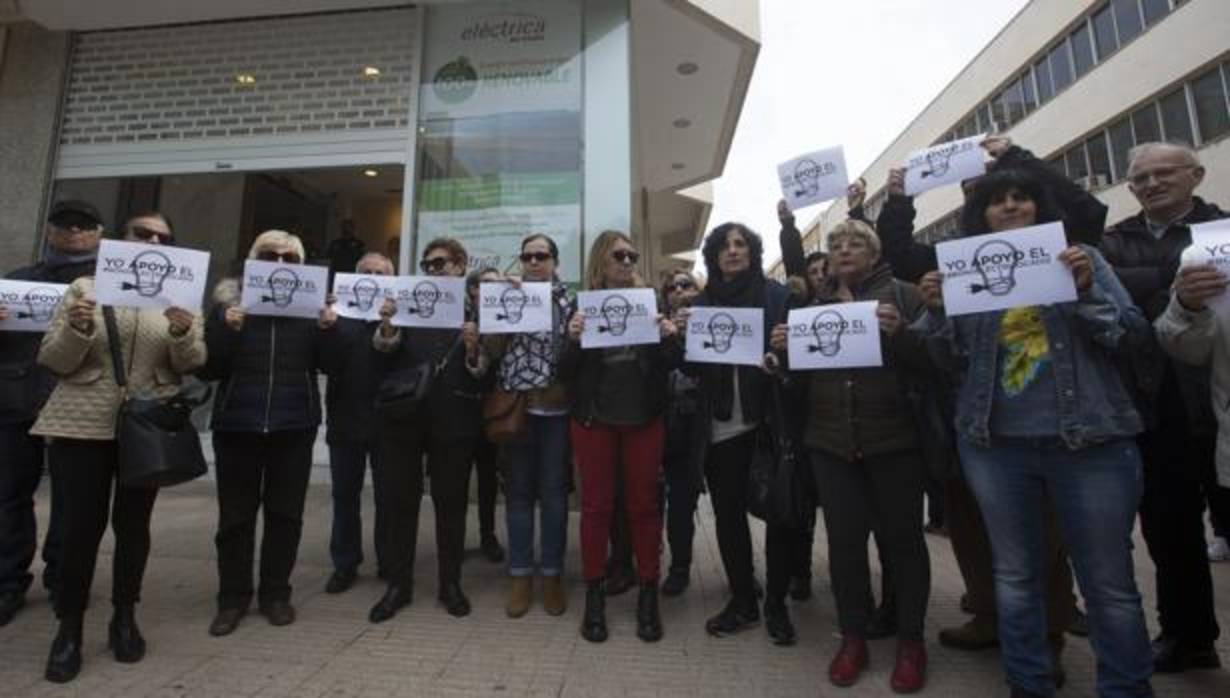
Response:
column 348, row 466
column 538, row 471
column 1095, row 492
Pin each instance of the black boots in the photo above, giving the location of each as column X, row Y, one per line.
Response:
column 124, row 637
column 593, row 622
column 64, row 662
column 648, row 621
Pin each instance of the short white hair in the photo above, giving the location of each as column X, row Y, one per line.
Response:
column 385, row 261
column 1186, row 151
column 276, row 238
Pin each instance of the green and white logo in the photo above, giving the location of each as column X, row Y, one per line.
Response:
column 456, row 81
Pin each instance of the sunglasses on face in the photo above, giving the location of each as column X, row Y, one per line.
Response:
column 434, row 264
column 626, row 256
column 141, row 233
column 271, row 256
column 540, row 257
column 681, row 285
column 71, row 221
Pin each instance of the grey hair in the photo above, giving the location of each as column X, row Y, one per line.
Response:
column 1189, row 153
column 376, row 255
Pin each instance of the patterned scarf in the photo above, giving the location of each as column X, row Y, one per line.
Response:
column 531, row 358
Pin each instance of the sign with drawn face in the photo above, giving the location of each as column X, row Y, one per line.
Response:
column 843, row 335
column 944, row 164
column 998, row 271
column 621, row 317
column 1211, row 245
column 506, row 308
column 725, row 336
column 813, row 178
column 360, row 296
column 140, row 275
column 430, row 301
column 30, row 304
column 283, row 290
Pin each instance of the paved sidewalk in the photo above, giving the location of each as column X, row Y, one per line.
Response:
column 332, row 651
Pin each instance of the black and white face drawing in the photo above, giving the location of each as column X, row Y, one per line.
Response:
column 996, row 262
column 615, row 310
column 365, row 292
column 827, row 327
column 283, row 283
column 150, row 270
column 512, row 301
column 424, row 296
column 722, row 328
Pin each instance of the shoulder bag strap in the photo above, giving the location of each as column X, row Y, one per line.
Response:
column 113, row 341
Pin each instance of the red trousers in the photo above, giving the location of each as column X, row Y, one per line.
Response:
column 604, row 453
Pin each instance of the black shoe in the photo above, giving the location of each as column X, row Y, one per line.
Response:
column 736, row 617
column 124, row 637
column 395, row 598
column 1079, row 627
column 648, row 620
column 593, row 621
column 883, row 622
column 777, row 622
column 226, row 621
column 340, row 581
column 1170, row 656
column 454, row 600
column 800, row 588
column 492, row 550
column 64, row 661
column 278, row 613
column 10, row 603
column 677, row 581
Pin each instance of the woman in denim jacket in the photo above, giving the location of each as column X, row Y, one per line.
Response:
column 1042, row 413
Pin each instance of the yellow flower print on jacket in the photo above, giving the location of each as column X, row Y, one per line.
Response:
column 1026, row 349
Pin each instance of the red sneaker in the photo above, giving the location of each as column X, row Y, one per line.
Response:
column 850, row 661
column 910, row 674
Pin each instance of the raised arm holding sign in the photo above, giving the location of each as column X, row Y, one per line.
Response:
column 944, row 164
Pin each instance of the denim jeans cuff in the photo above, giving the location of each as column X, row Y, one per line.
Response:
column 520, row 571
column 551, row 572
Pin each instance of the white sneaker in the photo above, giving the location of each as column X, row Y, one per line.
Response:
column 1219, row 550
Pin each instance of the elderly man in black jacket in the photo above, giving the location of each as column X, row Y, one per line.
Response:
column 73, row 231
column 350, row 432
column 1178, row 446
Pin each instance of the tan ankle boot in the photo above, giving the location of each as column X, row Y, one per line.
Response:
column 554, row 600
column 520, row 592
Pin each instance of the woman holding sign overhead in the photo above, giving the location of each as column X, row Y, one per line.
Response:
column 156, row 349
column 734, row 402
column 265, row 415
column 865, row 451
column 1043, row 414
column 618, row 399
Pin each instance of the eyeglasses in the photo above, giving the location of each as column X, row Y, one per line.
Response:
column 434, row 264
column 271, row 256
column 626, row 256
column 73, row 221
column 142, row 233
column 681, row 285
column 540, row 257
column 1161, row 174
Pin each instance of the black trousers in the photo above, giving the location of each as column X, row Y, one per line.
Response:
column 804, row 538
column 486, row 465
column 681, row 492
column 726, row 467
column 260, row 473
column 1172, row 520
column 21, row 470
column 84, row 472
column 884, row 493
column 399, row 478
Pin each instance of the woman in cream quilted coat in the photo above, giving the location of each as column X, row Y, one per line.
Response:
column 158, row 348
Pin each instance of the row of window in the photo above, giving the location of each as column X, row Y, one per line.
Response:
column 1093, row 39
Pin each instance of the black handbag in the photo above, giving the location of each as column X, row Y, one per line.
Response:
column 780, row 488
column 157, row 442
column 401, row 392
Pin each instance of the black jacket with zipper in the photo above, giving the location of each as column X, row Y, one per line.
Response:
column 452, row 410
column 584, row 368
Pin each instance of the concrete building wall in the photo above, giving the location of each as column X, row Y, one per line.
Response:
column 31, row 86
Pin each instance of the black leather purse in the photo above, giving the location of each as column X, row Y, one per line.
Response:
column 401, row 392
column 780, row 490
column 157, row 442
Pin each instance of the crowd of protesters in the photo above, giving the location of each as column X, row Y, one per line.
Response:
column 1032, row 436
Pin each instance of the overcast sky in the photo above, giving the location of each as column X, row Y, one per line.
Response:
column 851, row 73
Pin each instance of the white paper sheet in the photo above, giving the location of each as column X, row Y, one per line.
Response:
column 726, row 336
column 508, row 309
column 283, row 290
column 813, row 178
column 360, row 296
column 617, row 318
column 998, row 271
column 430, row 301
column 944, row 164
column 842, row 335
column 30, row 304
column 141, row 275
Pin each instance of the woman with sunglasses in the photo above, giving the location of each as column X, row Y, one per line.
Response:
column 157, row 349
column 266, row 412
column 443, row 428
column 618, row 398
column 536, row 465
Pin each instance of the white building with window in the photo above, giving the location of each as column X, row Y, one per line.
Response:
column 1078, row 82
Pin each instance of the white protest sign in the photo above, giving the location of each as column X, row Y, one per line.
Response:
column 360, row 296
column 1005, row 270
column 616, row 318
column 1211, row 245
column 430, row 301
column 725, row 336
column 30, row 304
column 944, row 164
column 842, row 335
column 505, row 308
column 813, row 178
column 140, row 275
column 283, row 290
